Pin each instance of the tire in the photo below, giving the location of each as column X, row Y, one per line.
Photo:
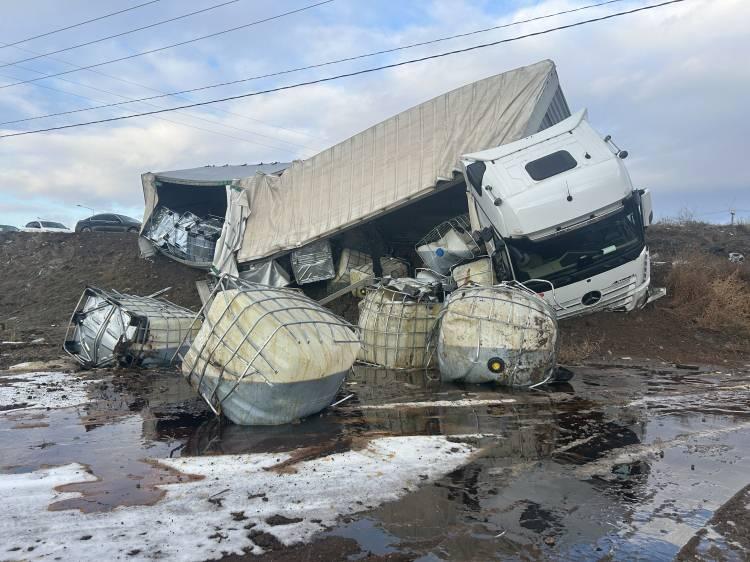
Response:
column 86, row 229
column 133, row 229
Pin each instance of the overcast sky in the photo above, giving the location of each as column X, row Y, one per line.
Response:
column 671, row 85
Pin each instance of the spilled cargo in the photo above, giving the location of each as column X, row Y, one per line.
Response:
column 185, row 237
column 396, row 321
column 268, row 356
column 503, row 334
column 112, row 328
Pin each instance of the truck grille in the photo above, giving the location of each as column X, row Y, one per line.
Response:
column 619, row 294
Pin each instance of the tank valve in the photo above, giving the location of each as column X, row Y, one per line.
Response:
column 496, row 365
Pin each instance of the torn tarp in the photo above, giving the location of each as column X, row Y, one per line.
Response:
column 238, row 209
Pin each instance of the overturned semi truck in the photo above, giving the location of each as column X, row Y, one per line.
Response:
column 552, row 200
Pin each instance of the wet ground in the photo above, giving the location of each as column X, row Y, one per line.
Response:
column 625, row 462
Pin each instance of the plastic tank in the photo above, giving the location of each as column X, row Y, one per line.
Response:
column 396, row 329
column 267, row 356
column 503, row 334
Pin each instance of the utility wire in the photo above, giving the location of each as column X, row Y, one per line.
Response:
column 165, row 47
column 180, row 123
column 102, row 90
column 132, row 100
column 312, row 66
column 94, row 41
column 356, row 73
column 129, row 100
column 79, row 24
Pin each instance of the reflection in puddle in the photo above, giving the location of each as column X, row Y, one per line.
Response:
column 637, row 461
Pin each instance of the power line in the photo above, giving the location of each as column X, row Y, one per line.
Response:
column 350, row 74
column 94, row 41
column 176, row 122
column 313, row 66
column 180, row 123
column 133, row 100
column 129, row 100
column 79, row 24
column 165, row 47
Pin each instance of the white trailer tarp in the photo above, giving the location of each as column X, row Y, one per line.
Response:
column 396, row 161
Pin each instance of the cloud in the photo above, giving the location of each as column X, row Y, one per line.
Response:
column 667, row 83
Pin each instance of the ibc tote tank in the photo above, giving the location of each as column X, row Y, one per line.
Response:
column 504, row 334
column 268, row 356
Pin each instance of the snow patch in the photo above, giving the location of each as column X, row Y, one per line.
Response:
column 202, row 519
column 41, row 390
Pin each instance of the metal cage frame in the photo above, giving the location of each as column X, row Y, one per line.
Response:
column 131, row 310
column 379, row 311
column 318, row 322
column 473, row 315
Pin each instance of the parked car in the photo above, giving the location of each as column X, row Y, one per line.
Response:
column 45, row 226
column 108, row 222
column 8, row 228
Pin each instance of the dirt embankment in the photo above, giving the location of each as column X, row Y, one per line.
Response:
column 43, row 276
column 705, row 318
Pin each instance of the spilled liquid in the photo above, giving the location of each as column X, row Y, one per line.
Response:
column 616, row 463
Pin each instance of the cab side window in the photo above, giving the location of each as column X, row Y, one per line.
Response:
column 475, row 173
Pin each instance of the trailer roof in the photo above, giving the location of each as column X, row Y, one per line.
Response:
column 219, row 174
column 397, row 161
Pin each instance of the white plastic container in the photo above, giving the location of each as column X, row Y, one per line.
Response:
column 396, row 329
column 478, row 272
column 503, row 334
column 447, row 245
column 268, row 356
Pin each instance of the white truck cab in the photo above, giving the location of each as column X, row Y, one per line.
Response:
column 565, row 218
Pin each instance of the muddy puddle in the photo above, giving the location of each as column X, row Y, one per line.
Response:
column 617, row 463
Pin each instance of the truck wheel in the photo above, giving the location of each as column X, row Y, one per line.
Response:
column 132, row 229
column 86, row 229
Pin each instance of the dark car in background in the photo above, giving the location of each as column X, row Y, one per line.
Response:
column 8, row 228
column 108, row 222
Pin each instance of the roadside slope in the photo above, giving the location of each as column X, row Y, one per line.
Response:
column 43, row 276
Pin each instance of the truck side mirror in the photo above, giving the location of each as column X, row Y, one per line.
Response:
column 646, row 207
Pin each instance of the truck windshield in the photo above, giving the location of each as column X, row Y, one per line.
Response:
column 589, row 250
